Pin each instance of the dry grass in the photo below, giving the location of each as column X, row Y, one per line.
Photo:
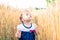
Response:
column 48, row 21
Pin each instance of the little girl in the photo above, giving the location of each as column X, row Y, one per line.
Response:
column 26, row 30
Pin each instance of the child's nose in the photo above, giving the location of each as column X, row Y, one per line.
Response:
column 30, row 16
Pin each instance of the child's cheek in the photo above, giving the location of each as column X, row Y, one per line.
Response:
column 30, row 18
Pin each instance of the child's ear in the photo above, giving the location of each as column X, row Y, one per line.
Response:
column 22, row 19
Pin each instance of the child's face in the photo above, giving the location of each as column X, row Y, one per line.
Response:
column 26, row 16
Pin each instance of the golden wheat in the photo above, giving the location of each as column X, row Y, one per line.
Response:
column 47, row 20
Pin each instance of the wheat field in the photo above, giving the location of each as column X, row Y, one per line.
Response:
column 47, row 20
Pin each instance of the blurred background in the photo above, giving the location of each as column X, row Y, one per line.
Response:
column 45, row 13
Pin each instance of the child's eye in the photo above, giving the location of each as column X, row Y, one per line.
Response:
column 27, row 14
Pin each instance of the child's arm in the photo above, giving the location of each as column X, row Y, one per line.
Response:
column 18, row 34
column 36, row 29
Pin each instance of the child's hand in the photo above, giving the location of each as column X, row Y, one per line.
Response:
column 18, row 34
